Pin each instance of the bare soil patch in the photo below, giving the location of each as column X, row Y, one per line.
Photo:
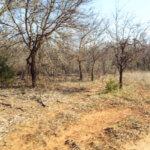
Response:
column 77, row 115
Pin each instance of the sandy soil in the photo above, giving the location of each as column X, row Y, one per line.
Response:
column 143, row 144
column 88, row 129
column 75, row 117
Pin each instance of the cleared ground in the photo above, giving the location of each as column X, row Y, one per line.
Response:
column 77, row 115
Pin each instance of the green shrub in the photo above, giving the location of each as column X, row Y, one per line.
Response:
column 23, row 90
column 148, row 101
column 7, row 73
column 111, row 85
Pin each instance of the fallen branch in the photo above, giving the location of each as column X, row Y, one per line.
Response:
column 41, row 103
column 7, row 105
column 10, row 106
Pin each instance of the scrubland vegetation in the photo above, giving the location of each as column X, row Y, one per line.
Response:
column 70, row 114
column 70, row 80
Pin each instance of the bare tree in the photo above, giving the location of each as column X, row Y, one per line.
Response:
column 37, row 21
column 96, row 45
column 5, row 4
column 80, row 53
column 126, row 41
column 89, row 39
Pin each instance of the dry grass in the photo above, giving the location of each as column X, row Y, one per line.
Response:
column 138, row 76
column 78, row 115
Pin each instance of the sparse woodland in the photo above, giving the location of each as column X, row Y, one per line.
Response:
column 72, row 76
column 51, row 38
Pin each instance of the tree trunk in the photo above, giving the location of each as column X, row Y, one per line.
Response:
column 80, row 71
column 33, row 70
column 120, row 77
column 31, row 62
column 104, row 67
column 92, row 73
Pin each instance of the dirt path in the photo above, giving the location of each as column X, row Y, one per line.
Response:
column 143, row 144
column 90, row 126
column 81, row 134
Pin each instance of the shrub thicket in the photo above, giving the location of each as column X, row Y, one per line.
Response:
column 111, row 85
column 7, row 73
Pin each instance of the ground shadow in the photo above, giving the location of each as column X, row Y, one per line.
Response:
column 70, row 90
